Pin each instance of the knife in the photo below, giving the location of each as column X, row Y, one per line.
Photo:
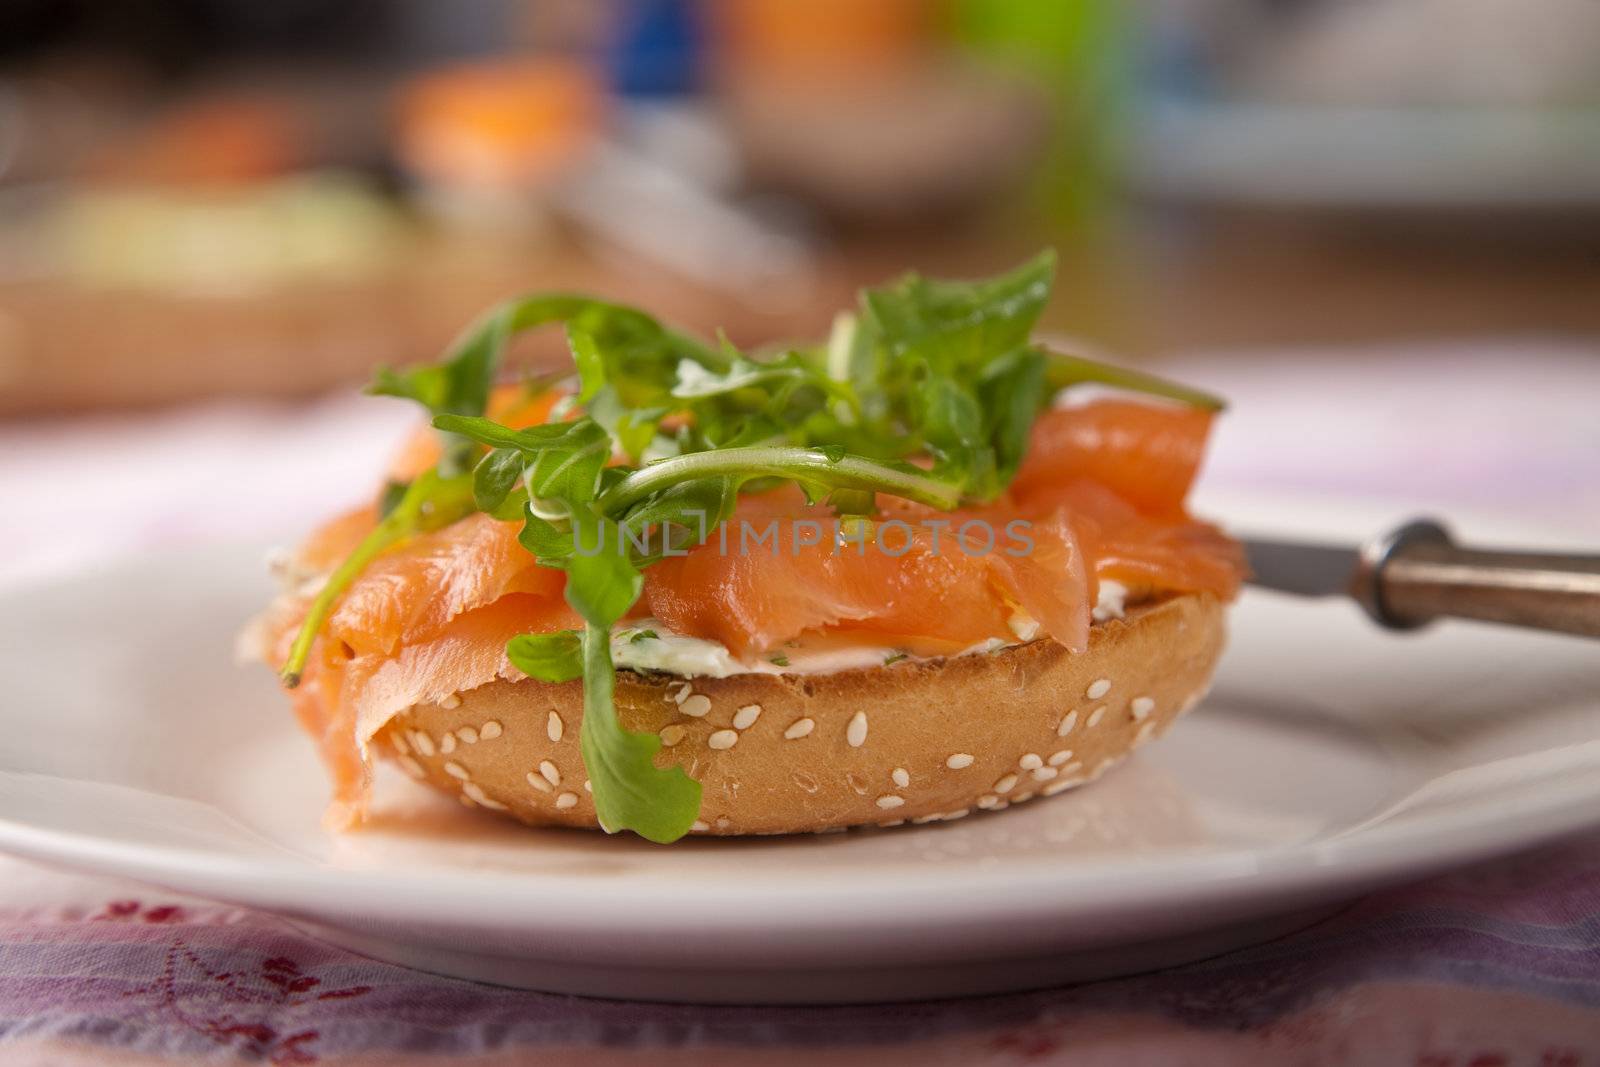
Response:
column 1416, row 573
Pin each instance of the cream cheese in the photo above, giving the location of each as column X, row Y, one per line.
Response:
column 696, row 657
column 1112, row 601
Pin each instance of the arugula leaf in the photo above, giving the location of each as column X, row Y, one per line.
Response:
column 461, row 382
column 1012, row 394
column 495, row 476
column 550, row 545
column 569, row 467
column 961, row 324
column 602, row 582
column 953, row 430
column 630, row 791
column 681, row 515
column 488, row 432
column 556, row 657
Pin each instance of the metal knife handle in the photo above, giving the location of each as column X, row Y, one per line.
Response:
column 1417, row 574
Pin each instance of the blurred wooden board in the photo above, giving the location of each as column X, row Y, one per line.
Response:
column 1225, row 283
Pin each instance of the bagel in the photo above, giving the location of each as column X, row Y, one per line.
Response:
column 910, row 742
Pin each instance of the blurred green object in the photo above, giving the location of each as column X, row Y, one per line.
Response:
column 1080, row 52
column 309, row 228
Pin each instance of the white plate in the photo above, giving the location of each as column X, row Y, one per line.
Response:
column 1330, row 759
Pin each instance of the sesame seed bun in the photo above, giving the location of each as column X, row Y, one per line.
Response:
column 915, row 741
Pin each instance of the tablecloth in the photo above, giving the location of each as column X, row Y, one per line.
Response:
column 1494, row 966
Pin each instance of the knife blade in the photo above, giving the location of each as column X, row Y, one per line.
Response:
column 1301, row 569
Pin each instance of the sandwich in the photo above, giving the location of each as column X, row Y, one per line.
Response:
column 927, row 567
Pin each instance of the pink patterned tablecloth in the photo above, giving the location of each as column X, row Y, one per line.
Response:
column 1493, row 966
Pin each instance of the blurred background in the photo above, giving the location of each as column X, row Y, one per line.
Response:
column 230, row 197
column 1373, row 224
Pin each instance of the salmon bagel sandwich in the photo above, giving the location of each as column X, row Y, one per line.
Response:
column 899, row 576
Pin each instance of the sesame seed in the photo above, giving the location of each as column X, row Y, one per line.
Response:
column 988, row 800
column 1141, row 708
column 1058, row 758
column 1030, row 761
column 447, row 744
column 422, row 743
column 696, row 705
column 588, row 786
column 723, row 822
column 490, row 730
column 1059, row 787
column 450, row 700
column 1098, row 689
column 567, row 800
column 959, row 761
column 398, row 740
column 671, row 735
column 699, row 826
column 455, row 770
column 952, row 816
column 1006, row 784
column 723, row 739
column 1044, row 774
column 921, row 819
column 682, row 694
column 554, row 727
column 1144, row 733
column 475, row 791
column 538, row 783
column 799, row 728
column 1022, row 798
column 893, row 823
column 1072, row 768
column 901, row 776
column 1067, row 724
column 890, row 801
column 551, row 774
column 412, row 767
column 1102, row 767
column 1095, row 716
column 746, row 716
column 856, row 732
column 468, row 734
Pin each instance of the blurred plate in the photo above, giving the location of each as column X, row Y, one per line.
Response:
column 1329, row 760
column 1350, row 157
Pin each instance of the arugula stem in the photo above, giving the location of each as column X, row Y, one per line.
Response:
column 1062, row 370
column 766, row 461
column 428, row 503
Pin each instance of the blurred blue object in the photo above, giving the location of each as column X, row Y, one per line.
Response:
column 658, row 49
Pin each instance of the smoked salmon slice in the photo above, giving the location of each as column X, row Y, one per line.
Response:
column 1145, row 453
